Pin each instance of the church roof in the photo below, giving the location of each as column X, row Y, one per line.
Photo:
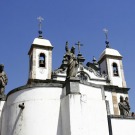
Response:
column 42, row 41
column 110, row 52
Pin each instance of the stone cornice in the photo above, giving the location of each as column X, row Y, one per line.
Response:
column 109, row 56
column 115, row 89
column 121, row 117
column 38, row 83
column 39, row 46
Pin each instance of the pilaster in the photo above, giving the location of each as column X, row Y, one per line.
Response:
column 115, row 103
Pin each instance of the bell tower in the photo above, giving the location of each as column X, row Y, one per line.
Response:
column 110, row 63
column 40, row 57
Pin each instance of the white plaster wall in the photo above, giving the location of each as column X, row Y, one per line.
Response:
column 1, row 108
column 123, row 126
column 98, row 82
column 86, row 112
column 86, row 115
column 40, row 116
column 48, row 111
column 93, row 110
column 94, row 117
column 90, row 92
column 108, row 95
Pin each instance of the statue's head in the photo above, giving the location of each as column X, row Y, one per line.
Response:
column 121, row 99
column 1, row 67
column 73, row 49
column 126, row 98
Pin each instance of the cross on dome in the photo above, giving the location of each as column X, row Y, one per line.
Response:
column 106, row 35
column 79, row 45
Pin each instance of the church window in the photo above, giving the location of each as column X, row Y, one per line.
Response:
column 115, row 69
column 42, row 60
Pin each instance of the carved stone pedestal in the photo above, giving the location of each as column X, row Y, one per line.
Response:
column 72, row 85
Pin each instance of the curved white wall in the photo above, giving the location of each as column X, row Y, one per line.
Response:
column 40, row 115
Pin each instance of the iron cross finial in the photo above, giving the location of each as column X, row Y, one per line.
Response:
column 106, row 35
column 79, row 45
column 40, row 19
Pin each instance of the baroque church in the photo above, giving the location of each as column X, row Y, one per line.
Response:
column 75, row 99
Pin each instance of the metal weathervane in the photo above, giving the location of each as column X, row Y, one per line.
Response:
column 40, row 19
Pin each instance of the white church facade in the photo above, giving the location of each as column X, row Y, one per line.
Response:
column 52, row 104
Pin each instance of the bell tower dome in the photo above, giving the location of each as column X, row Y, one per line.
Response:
column 40, row 57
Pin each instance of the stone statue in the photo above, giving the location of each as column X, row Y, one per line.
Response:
column 124, row 106
column 72, row 63
column 66, row 48
column 126, row 102
column 3, row 80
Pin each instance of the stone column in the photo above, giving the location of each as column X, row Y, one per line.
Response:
column 71, row 109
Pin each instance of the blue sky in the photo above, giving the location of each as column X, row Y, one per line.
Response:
column 66, row 20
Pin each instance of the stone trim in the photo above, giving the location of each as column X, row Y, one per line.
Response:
column 116, row 89
column 115, row 103
column 32, row 83
column 83, row 82
column 72, row 86
column 109, row 56
column 121, row 117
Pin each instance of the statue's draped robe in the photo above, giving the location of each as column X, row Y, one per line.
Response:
column 124, row 109
column 72, row 66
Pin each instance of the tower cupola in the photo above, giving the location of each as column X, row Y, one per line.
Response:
column 40, row 58
column 110, row 63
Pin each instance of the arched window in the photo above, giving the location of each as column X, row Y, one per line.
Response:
column 115, row 69
column 42, row 60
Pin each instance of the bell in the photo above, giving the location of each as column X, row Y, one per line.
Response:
column 115, row 72
column 41, row 62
